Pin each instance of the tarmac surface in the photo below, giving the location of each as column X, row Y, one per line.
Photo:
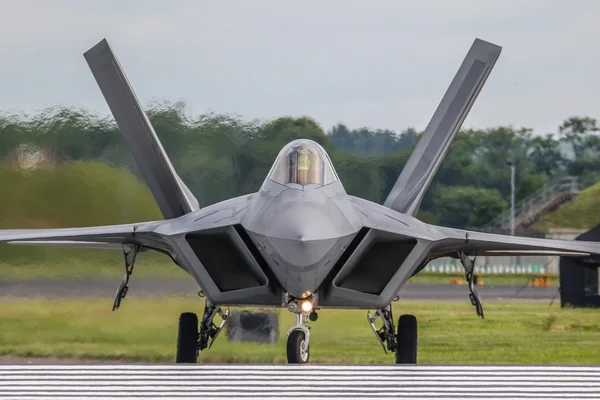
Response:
column 299, row 381
column 152, row 287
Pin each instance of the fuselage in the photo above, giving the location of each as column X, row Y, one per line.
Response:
column 300, row 234
column 301, row 224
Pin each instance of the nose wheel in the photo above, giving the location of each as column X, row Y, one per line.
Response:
column 298, row 349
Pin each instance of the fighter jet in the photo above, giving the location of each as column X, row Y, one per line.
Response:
column 300, row 242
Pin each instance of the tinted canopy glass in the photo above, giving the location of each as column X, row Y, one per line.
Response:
column 303, row 162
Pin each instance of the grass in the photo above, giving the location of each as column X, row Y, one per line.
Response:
column 89, row 194
column 491, row 279
column 581, row 213
column 105, row 264
column 73, row 194
column 61, row 263
column 146, row 330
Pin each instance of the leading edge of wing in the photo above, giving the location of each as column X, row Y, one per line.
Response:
column 417, row 174
column 69, row 243
column 170, row 192
column 479, row 243
column 109, row 236
column 531, row 253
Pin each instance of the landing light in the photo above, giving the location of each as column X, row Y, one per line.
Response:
column 306, row 306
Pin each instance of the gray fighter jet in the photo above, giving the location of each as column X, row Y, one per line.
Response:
column 300, row 242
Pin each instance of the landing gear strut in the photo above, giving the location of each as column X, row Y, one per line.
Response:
column 208, row 330
column 130, row 254
column 191, row 340
column 297, row 349
column 404, row 342
column 386, row 333
column 469, row 266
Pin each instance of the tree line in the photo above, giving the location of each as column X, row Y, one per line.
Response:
column 221, row 156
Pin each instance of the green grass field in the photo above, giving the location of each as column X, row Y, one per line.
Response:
column 581, row 213
column 88, row 194
column 491, row 279
column 64, row 263
column 102, row 266
column 449, row 333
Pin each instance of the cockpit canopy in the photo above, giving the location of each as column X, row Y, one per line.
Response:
column 302, row 163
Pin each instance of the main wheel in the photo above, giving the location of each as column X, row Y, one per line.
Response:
column 406, row 353
column 187, row 339
column 295, row 348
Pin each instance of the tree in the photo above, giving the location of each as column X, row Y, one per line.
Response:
column 465, row 206
column 573, row 130
column 546, row 156
column 220, row 156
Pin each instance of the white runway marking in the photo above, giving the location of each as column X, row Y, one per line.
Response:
column 294, row 381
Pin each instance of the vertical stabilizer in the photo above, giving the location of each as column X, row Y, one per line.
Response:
column 172, row 195
column 408, row 191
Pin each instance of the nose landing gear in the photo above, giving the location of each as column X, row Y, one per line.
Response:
column 298, row 341
column 298, row 349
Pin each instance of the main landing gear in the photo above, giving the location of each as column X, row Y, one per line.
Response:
column 469, row 266
column 190, row 340
column 402, row 342
column 130, row 253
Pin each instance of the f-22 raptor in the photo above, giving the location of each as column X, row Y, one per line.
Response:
column 300, row 242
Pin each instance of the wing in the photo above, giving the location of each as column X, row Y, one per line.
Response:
column 99, row 237
column 172, row 195
column 408, row 191
column 478, row 243
column 69, row 243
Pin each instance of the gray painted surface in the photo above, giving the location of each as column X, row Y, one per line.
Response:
column 300, row 233
column 409, row 189
column 292, row 382
column 172, row 195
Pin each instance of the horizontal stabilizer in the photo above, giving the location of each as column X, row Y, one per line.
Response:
column 409, row 189
column 172, row 195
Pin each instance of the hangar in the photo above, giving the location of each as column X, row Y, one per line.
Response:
column 579, row 276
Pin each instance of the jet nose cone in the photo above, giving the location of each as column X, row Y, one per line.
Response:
column 301, row 235
column 300, row 265
column 305, row 223
column 302, row 252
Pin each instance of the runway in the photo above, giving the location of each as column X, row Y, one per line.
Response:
column 146, row 287
column 306, row 382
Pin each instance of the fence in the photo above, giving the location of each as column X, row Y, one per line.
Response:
column 452, row 268
column 534, row 207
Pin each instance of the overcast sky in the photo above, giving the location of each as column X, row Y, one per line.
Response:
column 381, row 64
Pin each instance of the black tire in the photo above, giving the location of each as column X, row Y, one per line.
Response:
column 407, row 340
column 187, row 339
column 295, row 341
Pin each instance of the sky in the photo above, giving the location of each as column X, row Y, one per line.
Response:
column 382, row 64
